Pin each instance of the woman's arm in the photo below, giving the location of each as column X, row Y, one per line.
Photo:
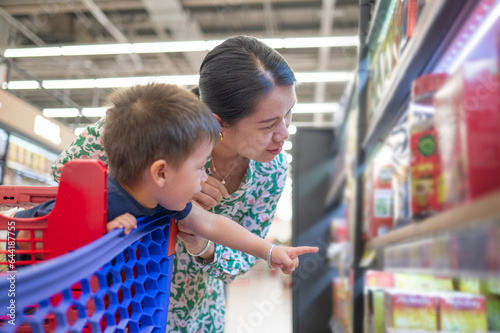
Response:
column 87, row 145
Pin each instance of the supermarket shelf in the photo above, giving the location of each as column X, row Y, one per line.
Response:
column 377, row 21
column 336, row 190
column 470, row 214
column 346, row 101
column 424, row 49
column 27, row 172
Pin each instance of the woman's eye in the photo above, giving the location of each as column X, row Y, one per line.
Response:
column 270, row 127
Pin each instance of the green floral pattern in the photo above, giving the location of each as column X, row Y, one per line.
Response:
column 197, row 302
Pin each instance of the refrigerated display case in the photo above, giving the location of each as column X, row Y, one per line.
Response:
column 27, row 163
column 459, row 238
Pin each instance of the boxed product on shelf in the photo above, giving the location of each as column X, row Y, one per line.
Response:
column 396, row 30
column 425, row 166
column 367, row 200
column 468, row 123
column 374, row 321
column 381, row 217
column 398, row 143
column 493, row 313
column 423, row 282
column 375, row 283
column 462, row 312
column 420, row 6
column 410, row 310
column 408, row 22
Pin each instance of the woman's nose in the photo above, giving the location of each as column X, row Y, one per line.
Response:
column 282, row 133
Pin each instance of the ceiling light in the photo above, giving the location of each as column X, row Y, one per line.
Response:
column 94, row 112
column 60, row 112
column 179, row 46
column 172, row 79
column 316, row 108
column 101, row 111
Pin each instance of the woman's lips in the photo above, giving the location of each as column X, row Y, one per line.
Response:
column 275, row 151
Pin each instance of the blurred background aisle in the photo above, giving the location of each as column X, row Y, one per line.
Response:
column 260, row 301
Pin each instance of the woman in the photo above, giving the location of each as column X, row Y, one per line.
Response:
column 250, row 89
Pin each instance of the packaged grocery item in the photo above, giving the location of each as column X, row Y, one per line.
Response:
column 374, row 311
column 379, row 279
column 420, row 6
column 398, row 142
column 410, row 310
column 460, row 312
column 468, row 123
column 422, row 282
column 493, row 313
column 367, row 200
column 425, row 162
column 396, row 29
column 381, row 219
column 408, row 22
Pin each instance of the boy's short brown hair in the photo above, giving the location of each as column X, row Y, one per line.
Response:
column 154, row 121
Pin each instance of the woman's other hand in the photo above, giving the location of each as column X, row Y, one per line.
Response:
column 212, row 192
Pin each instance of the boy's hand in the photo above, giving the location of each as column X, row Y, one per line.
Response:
column 287, row 257
column 125, row 221
column 212, row 192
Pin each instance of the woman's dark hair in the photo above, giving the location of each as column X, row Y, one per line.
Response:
column 238, row 71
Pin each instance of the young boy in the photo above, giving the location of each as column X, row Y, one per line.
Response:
column 158, row 138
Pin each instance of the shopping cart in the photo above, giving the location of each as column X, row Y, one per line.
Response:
column 86, row 281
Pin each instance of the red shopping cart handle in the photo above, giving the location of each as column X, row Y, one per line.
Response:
column 79, row 214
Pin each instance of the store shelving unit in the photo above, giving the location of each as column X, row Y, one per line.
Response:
column 473, row 214
column 440, row 29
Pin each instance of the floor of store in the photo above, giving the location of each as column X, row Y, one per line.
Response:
column 259, row 302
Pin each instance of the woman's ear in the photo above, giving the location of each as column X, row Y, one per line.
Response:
column 159, row 172
column 220, row 121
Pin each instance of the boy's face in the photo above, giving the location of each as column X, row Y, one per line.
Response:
column 261, row 135
column 185, row 181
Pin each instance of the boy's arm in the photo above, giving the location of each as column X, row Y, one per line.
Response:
column 222, row 230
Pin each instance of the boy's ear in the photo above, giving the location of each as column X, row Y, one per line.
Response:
column 159, row 172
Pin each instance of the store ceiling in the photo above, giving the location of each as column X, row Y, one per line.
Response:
column 64, row 22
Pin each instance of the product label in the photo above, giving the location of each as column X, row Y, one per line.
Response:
column 382, row 199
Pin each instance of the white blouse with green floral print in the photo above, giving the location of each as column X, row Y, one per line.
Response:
column 197, row 303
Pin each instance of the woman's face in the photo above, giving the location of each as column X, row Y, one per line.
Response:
column 261, row 135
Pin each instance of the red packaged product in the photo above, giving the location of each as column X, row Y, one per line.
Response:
column 425, row 163
column 468, row 124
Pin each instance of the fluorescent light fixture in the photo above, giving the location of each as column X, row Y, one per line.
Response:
column 174, row 79
column 478, row 35
column 73, row 112
column 311, row 42
column 73, row 50
column 324, row 77
column 180, row 46
column 101, row 111
column 316, row 108
column 60, row 112
column 15, row 85
column 94, row 112
column 33, row 52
